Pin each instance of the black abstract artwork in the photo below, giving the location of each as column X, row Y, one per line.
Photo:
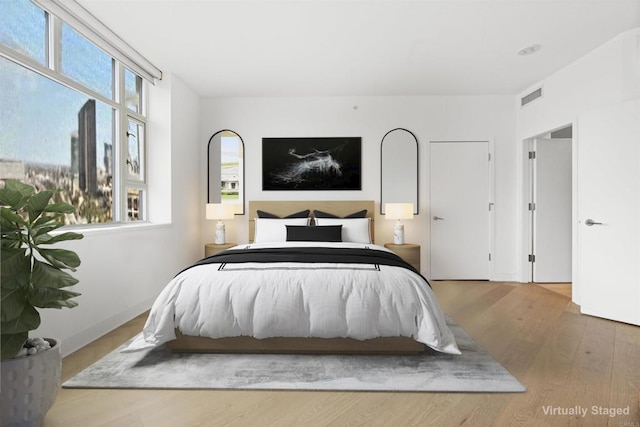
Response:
column 333, row 163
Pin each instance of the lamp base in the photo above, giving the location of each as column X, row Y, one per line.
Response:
column 398, row 234
column 219, row 236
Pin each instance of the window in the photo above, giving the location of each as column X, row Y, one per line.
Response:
column 23, row 28
column 134, row 204
column 135, row 138
column 75, row 122
column 84, row 62
column 132, row 90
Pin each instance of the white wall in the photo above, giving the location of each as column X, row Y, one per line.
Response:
column 123, row 269
column 428, row 117
column 606, row 76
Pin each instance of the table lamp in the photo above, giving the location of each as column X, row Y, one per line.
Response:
column 398, row 211
column 220, row 212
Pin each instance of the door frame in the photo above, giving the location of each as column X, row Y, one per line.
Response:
column 526, row 220
column 492, row 233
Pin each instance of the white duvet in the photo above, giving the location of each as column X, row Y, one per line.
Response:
column 297, row 300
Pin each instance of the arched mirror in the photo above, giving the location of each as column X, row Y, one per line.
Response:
column 225, row 169
column 399, row 168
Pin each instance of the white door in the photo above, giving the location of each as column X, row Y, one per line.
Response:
column 459, row 207
column 609, row 199
column 552, row 210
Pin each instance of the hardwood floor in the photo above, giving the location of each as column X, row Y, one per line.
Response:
column 562, row 288
column 568, row 362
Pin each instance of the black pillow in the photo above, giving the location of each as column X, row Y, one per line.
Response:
column 325, row 233
column 359, row 214
column 301, row 214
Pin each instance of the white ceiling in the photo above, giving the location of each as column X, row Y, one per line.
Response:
column 363, row 47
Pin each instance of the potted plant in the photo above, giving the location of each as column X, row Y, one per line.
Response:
column 32, row 277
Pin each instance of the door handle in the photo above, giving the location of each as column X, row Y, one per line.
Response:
column 436, row 218
column 589, row 222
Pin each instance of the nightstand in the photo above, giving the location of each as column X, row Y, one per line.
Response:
column 213, row 248
column 410, row 252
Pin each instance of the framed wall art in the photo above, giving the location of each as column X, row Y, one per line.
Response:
column 331, row 163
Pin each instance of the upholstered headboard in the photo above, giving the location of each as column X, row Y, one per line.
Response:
column 340, row 208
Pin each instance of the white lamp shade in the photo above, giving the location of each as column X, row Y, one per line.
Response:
column 398, row 210
column 220, row 211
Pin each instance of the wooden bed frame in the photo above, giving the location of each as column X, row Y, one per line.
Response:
column 383, row 345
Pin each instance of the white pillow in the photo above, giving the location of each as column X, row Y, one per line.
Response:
column 356, row 230
column 274, row 229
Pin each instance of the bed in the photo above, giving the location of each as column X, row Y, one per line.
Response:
column 309, row 281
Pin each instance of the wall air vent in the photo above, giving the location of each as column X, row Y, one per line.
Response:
column 531, row 97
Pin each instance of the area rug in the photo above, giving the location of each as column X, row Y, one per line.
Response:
column 472, row 371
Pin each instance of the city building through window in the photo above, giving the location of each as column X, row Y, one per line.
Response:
column 73, row 117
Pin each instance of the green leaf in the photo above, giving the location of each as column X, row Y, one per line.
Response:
column 11, row 345
column 60, row 258
column 15, row 268
column 46, row 276
column 48, row 239
column 37, row 204
column 17, row 185
column 8, row 226
column 60, row 304
column 11, row 226
column 12, row 237
column 11, row 217
column 45, row 224
column 43, row 230
column 45, row 219
column 27, row 320
column 13, row 302
column 15, row 194
column 60, row 208
column 11, row 198
column 52, row 298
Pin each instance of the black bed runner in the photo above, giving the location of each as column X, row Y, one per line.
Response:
column 308, row 255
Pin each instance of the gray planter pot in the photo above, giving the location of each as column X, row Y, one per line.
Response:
column 29, row 387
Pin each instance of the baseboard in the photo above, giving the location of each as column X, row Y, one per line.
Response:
column 504, row 277
column 95, row 331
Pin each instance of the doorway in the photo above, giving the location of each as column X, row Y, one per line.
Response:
column 548, row 160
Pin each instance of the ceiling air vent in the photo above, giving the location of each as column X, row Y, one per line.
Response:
column 531, row 97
